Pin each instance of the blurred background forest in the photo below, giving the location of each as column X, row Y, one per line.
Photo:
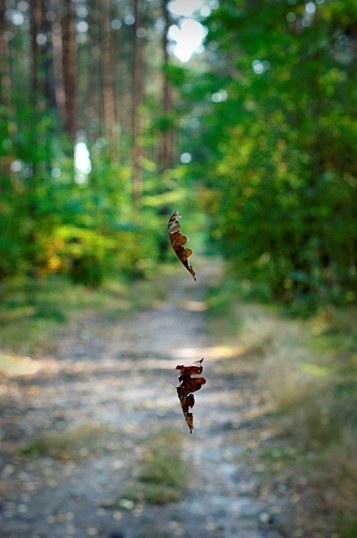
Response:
column 104, row 131
column 240, row 114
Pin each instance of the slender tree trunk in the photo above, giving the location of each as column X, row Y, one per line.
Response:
column 69, row 66
column 166, row 141
column 36, row 18
column 5, row 97
column 137, row 105
column 50, row 91
column 57, row 56
column 92, row 112
column 114, row 48
column 108, row 106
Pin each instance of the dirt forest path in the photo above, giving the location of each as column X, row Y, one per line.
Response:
column 120, row 376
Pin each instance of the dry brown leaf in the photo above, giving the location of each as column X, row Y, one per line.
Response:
column 187, row 386
column 178, row 240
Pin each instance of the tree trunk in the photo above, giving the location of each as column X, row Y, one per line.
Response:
column 108, row 107
column 5, row 97
column 166, row 141
column 137, row 105
column 49, row 81
column 57, row 64
column 69, row 66
column 36, row 18
column 92, row 112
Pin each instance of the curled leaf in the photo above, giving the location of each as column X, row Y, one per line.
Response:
column 194, row 369
column 187, row 386
column 178, row 240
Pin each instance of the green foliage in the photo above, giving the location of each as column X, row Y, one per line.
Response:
column 271, row 127
column 23, row 184
column 176, row 74
column 58, row 219
column 276, row 146
column 61, row 221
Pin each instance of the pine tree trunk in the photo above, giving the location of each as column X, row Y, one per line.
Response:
column 115, row 46
column 108, row 106
column 36, row 18
column 50, row 91
column 5, row 97
column 137, row 105
column 92, row 108
column 69, row 66
column 57, row 64
column 166, row 142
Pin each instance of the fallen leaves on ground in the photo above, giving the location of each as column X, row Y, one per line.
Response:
column 187, row 386
column 178, row 240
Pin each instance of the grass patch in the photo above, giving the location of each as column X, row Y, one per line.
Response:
column 223, row 315
column 234, row 322
column 163, row 473
column 347, row 526
column 34, row 312
column 309, row 367
column 72, row 445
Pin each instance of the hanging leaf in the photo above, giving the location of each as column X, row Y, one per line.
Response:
column 187, row 386
column 178, row 240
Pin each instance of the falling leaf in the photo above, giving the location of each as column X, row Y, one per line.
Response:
column 187, row 386
column 178, row 240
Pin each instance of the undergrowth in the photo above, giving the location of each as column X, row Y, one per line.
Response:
column 309, row 367
column 34, row 312
column 77, row 444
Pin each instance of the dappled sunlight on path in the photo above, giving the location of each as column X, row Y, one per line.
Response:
column 90, row 417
